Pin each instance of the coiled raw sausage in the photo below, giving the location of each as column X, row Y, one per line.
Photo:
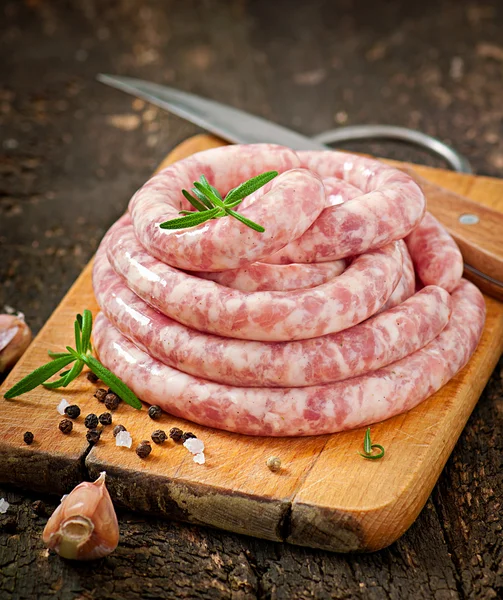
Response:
column 270, row 316
column 435, row 254
column 315, row 326
column 391, row 204
column 301, row 411
column 377, row 342
column 260, row 276
column 225, row 243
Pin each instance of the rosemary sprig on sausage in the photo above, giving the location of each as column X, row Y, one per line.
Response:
column 80, row 355
column 209, row 204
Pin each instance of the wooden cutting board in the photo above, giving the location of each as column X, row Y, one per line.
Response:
column 325, row 496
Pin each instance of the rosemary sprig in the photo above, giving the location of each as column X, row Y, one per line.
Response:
column 209, row 203
column 37, row 376
column 54, row 355
column 79, row 356
column 368, row 446
column 58, row 382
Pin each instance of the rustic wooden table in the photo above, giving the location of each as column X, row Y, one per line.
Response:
column 73, row 152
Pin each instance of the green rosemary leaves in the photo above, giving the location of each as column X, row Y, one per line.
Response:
column 209, row 203
column 80, row 355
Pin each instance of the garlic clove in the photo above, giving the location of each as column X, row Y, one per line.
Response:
column 15, row 337
column 84, row 526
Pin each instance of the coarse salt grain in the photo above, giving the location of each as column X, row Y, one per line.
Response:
column 63, row 497
column 123, row 438
column 194, row 445
column 4, row 506
column 199, row 458
column 62, row 405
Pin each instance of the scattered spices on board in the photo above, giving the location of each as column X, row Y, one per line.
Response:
column 105, row 418
column 65, row 426
column 144, row 449
column 62, row 405
column 100, row 394
column 194, row 445
column 4, row 506
column 175, row 433
column 274, row 463
column 118, row 428
column 112, row 401
column 199, row 458
column 124, row 439
column 72, row 411
column 155, row 412
column 28, row 437
column 93, row 436
column 187, row 436
column 91, row 421
column 92, row 377
column 159, row 436
column 84, row 526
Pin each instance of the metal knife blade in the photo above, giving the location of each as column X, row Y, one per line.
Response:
column 227, row 122
column 235, row 126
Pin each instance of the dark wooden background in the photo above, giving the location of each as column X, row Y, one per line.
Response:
column 72, row 153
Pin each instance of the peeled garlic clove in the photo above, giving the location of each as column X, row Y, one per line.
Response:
column 84, row 526
column 15, row 337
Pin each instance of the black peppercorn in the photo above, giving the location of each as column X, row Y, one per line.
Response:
column 105, row 419
column 187, row 435
column 91, row 421
column 72, row 411
column 175, row 434
column 159, row 436
column 28, row 437
column 92, row 377
column 144, row 449
column 65, row 426
column 118, row 429
column 93, row 436
column 155, row 412
column 112, row 401
column 100, row 394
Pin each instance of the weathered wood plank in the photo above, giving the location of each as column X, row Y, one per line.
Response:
column 165, row 559
column 469, row 497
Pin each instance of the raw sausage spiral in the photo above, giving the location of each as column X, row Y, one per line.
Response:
column 315, row 326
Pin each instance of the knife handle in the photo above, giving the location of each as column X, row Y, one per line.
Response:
column 477, row 229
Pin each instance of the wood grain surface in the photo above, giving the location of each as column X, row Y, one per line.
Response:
column 325, row 496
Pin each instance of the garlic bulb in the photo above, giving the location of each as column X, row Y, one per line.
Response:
column 84, row 526
column 15, row 337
